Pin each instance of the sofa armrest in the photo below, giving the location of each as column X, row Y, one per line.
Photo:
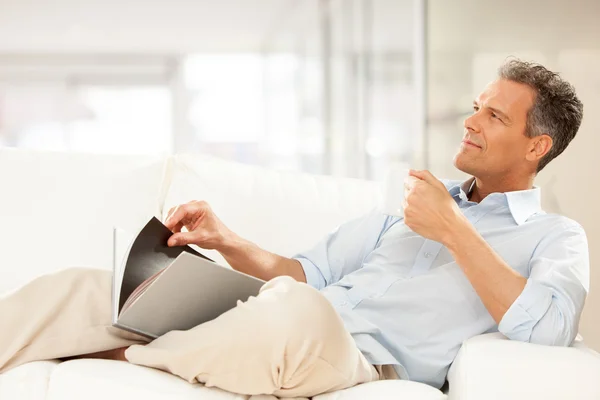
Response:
column 492, row 367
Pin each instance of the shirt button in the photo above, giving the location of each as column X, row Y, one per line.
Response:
column 427, row 254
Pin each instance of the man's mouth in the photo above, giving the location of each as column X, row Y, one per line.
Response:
column 468, row 143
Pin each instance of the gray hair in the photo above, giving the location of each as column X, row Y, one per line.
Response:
column 556, row 110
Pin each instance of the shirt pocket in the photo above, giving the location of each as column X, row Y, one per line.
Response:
column 371, row 281
column 372, row 289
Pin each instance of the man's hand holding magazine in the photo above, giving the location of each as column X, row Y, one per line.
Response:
column 207, row 231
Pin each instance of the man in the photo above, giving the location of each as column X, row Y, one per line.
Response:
column 396, row 296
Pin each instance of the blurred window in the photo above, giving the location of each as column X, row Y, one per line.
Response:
column 77, row 104
column 226, row 97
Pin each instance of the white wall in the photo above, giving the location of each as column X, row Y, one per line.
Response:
column 576, row 173
column 468, row 41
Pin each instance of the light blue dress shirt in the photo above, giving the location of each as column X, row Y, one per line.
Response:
column 407, row 303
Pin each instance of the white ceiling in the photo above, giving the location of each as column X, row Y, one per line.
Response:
column 185, row 26
column 136, row 26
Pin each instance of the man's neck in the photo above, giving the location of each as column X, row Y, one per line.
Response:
column 483, row 187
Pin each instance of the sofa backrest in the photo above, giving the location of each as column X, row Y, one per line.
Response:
column 58, row 210
column 283, row 212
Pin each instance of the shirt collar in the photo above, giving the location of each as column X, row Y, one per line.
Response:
column 461, row 189
column 521, row 203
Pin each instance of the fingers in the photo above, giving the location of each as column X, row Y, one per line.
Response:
column 189, row 215
column 170, row 212
column 427, row 177
column 180, row 216
column 410, row 182
column 175, row 218
column 182, row 238
column 424, row 175
column 173, row 227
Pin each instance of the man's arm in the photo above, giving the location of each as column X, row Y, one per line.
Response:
column 207, row 231
column 496, row 283
column 543, row 309
column 336, row 255
column 549, row 308
column 248, row 258
column 431, row 212
column 342, row 251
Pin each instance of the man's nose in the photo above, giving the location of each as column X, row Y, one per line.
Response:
column 471, row 123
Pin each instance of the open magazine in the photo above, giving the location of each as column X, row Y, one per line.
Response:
column 157, row 288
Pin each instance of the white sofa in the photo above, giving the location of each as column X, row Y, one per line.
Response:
column 58, row 210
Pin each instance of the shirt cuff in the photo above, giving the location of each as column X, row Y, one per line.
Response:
column 522, row 316
column 314, row 277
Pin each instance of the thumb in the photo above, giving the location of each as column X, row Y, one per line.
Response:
column 427, row 177
column 181, row 239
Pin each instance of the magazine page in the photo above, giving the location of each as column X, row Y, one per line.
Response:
column 189, row 292
column 122, row 241
column 148, row 255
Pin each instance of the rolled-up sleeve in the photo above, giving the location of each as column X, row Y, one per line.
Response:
column 343, row 250
column 548, row 310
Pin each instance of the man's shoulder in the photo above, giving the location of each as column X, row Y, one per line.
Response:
column 555, row 221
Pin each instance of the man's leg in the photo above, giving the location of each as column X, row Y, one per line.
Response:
column 60, row 315
column 288, row 341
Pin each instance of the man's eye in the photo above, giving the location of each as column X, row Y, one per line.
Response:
column 494, row 115
column 475, row 108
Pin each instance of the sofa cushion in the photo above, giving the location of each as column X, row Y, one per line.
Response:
column 284, row 212
column 103, row 379
column 492, row 367
column 27, row 382
column 58, row 209
column 384, row 390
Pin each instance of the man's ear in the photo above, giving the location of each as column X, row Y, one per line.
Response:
column 539, row 146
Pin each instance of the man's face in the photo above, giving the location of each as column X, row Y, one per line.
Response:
column 494, row 141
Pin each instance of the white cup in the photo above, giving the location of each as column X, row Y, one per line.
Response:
column 393, row 190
